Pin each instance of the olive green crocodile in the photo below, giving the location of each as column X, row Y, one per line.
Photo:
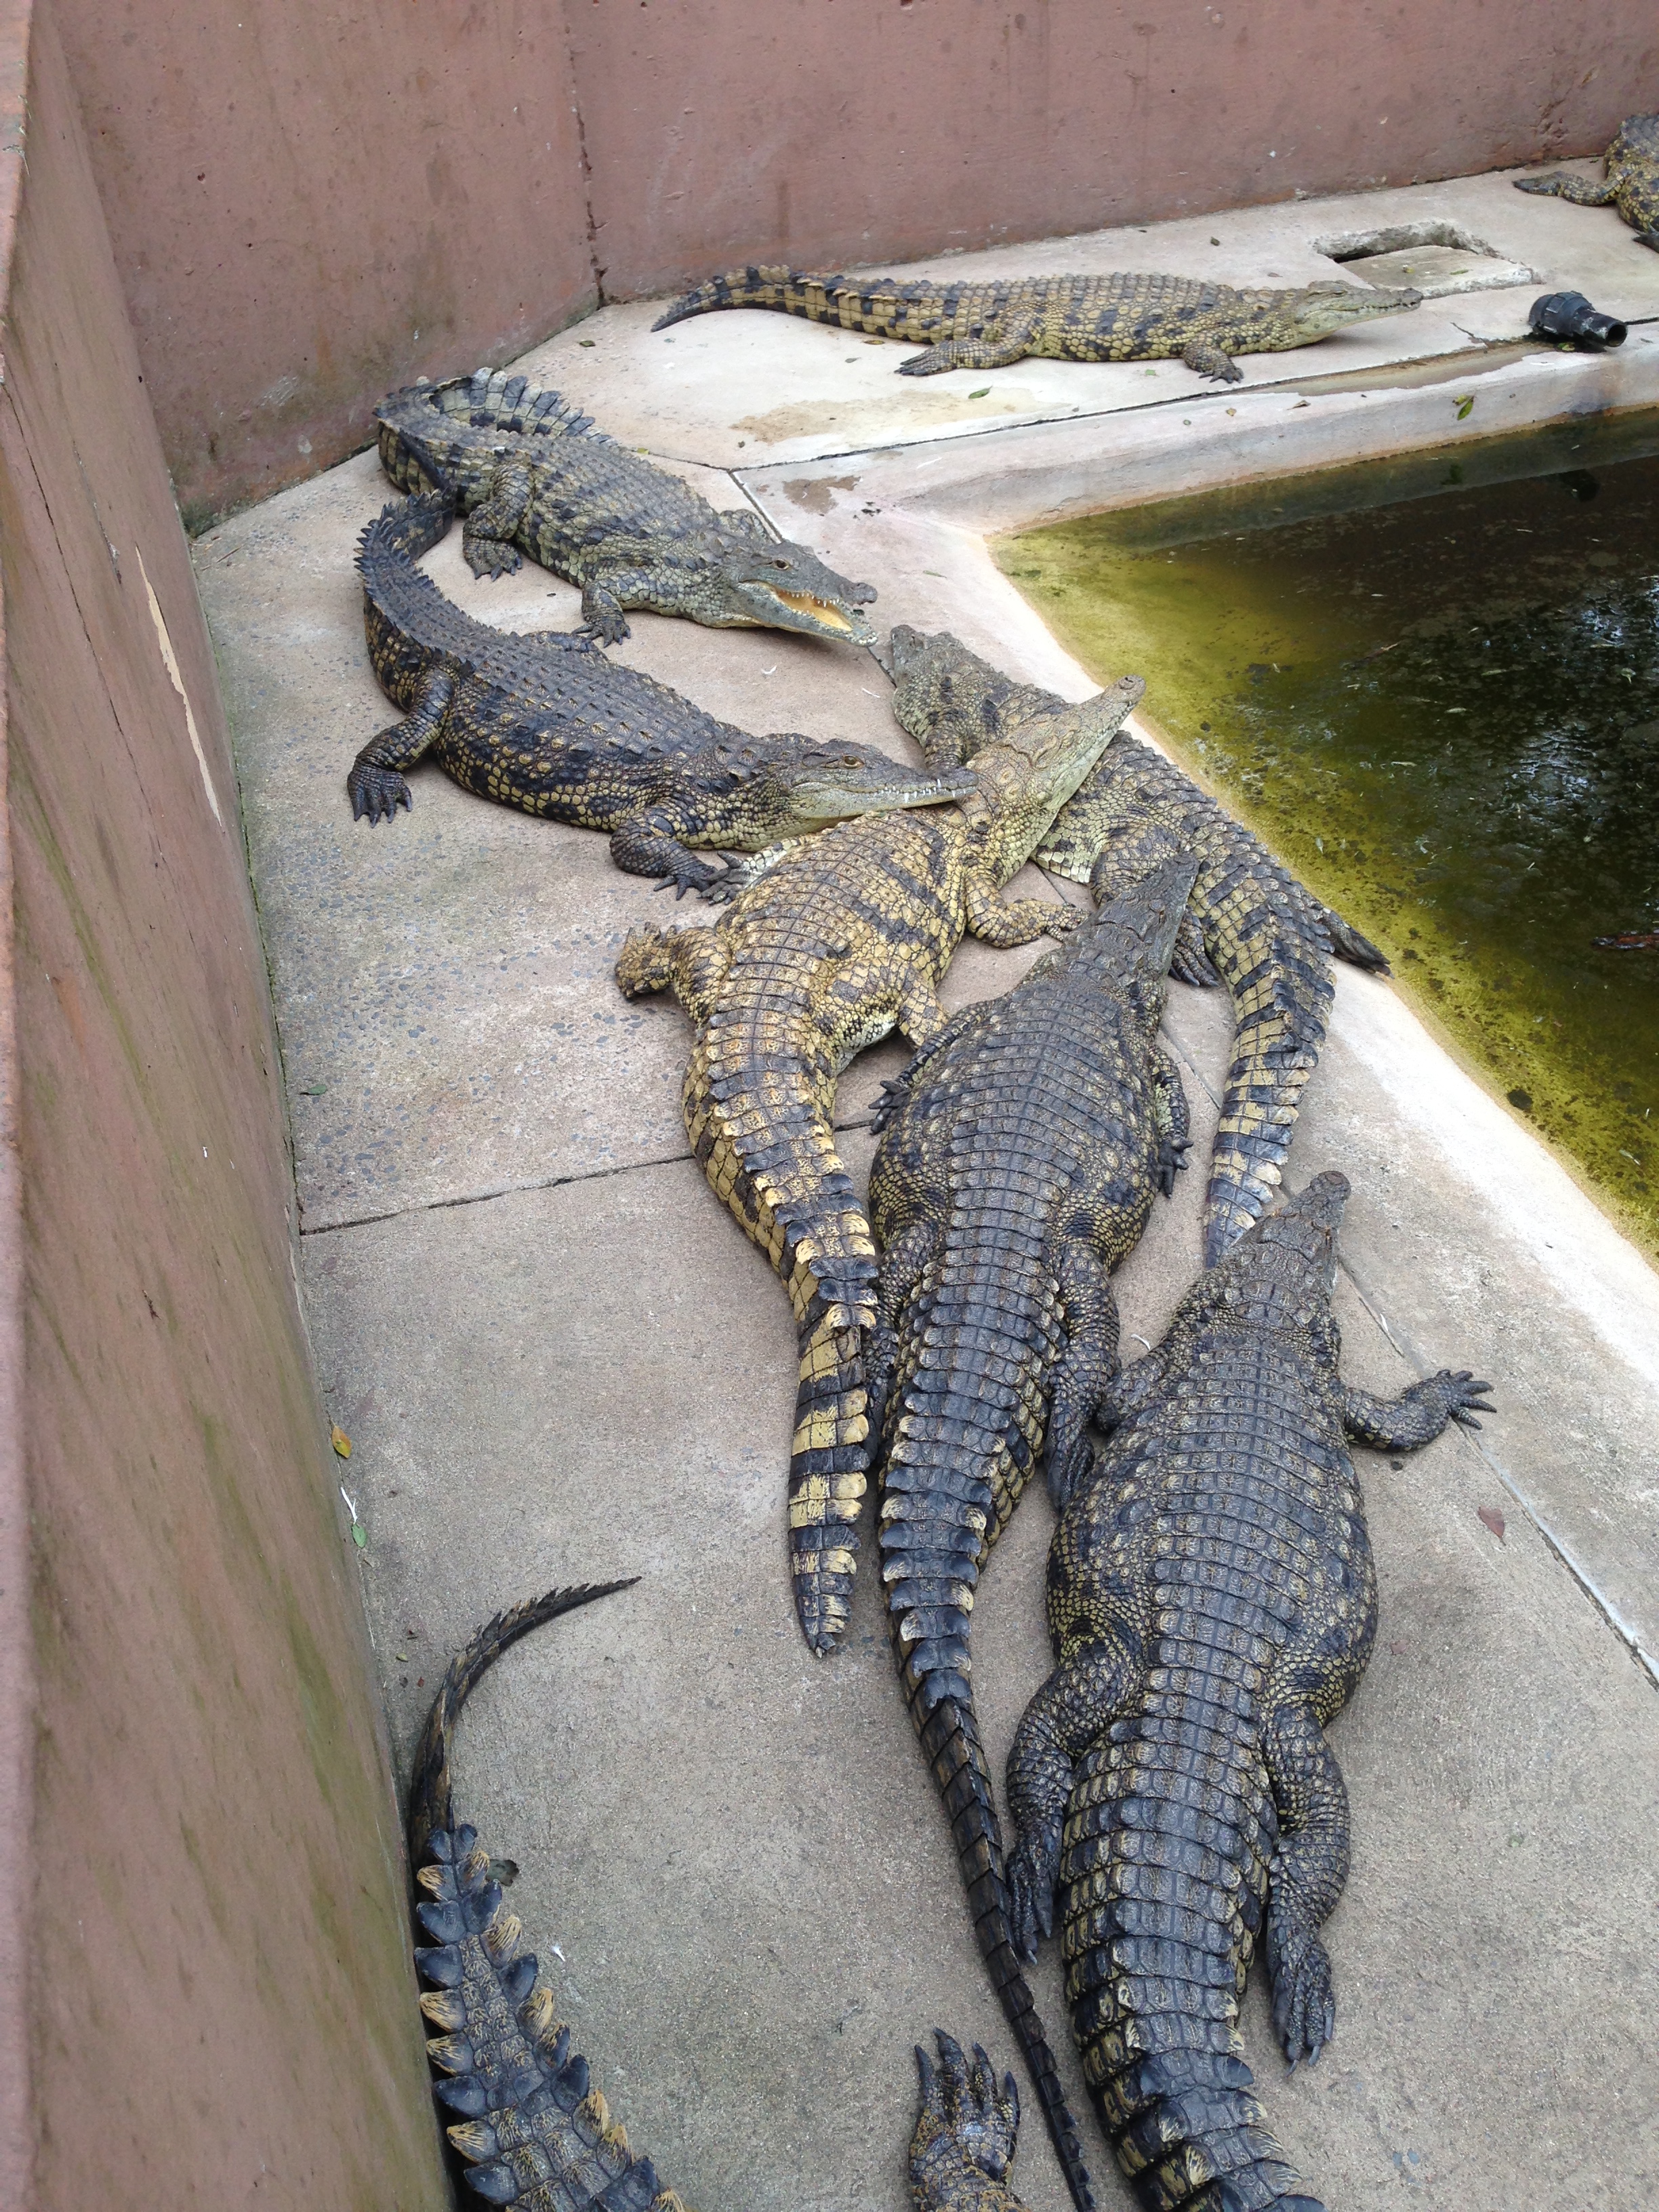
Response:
column 1212, row 1605
column 529, row 472
column 1251, row 923
column 546, row 723
column 844, row 939
column 1629, row 180
column 531, row 2128
column 1122, row 317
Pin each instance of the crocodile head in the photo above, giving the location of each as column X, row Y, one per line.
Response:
column 1026, row 775
column 1283, row 1269
column 832, row 783
column 1322, row 308
column 776, row 585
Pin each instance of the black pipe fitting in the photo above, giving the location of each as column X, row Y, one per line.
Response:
column 1570, row 319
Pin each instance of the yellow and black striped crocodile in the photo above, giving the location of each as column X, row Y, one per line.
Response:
column 845, row 938
column 548, row 724
column 1019, row 1155
column 1212, row 1604
column 1122, row 317
column 530, row 472
column 531, row 2126
column 1252, row 925
column 1629, row 181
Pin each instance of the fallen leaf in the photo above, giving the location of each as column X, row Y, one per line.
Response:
column 587, row 341
column 340, row 1440
column 984, row 392
column 360, row 1536
column 1490, row 1517
column 1465, row 406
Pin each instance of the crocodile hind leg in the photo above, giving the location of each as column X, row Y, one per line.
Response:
column 1583, row 191
column 1079, row 1702
column 488, row 534
column 376, row 783
column 1002, row 344
column 690, row 963
column 1174, row 1119
column 1310, row 1867
column 1009, row 922
column 1206, row 358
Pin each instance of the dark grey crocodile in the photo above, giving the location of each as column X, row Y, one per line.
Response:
column 548, row 724
column 528, row 470
column 1019, row 1155
column 1212, row 1603
column 1629, row 180
column 1252, row 924
column 530, row 2125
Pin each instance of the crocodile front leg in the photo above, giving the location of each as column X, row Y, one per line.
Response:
column 963, row 2149
column 1418, row 1415
column 488, row 534
column 1175, row 1118
column 1009, row 922
column 376, row 782
column 651, row 844
column 1080, row 1700
column 1206, row 358
column 1002, row 344
column 1084, row 1373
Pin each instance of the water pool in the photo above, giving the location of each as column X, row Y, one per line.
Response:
column 1433, row 685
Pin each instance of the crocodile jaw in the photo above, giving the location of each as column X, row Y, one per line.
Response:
column 1319, row 313
column 775, row 608
column 814, row 806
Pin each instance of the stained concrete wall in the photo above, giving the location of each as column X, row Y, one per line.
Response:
column 202, row 1938
column 310, row 204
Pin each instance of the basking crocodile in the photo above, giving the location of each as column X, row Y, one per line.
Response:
column 547, row 724
column 1212, row 1602
column 528, row 471
column 845, row 937
column 1252, row 924
column 1017, row 1167
column 1629, row 180
column 532, row 2128
column 1006, row 318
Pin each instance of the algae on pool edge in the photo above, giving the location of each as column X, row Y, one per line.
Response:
column 1433, row 686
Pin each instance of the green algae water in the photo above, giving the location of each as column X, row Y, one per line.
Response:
column 1433, row 686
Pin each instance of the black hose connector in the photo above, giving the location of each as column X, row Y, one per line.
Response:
column 1570, row 319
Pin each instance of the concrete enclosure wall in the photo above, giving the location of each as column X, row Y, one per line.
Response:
column 202, row 1927
column 310, row 205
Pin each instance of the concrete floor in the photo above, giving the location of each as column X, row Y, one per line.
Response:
column 556, row 1358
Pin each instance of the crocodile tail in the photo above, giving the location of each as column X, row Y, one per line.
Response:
column 852, row 304
column 1158, row 1932
column 760, row 1128
column 526, row 2112
column 431, row 1807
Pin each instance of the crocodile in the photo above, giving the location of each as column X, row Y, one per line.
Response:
column 1211, row 1602
column 1629, row 180
column 1251, row 924
column 844, row 939
column 528, row 470
column 532, row 2128
column 1019, row 1154
column 1122, row 317
column 546, row 723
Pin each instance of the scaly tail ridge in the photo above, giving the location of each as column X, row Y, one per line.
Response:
column 770, row 1153
column 789, row 291
column 528, row 2121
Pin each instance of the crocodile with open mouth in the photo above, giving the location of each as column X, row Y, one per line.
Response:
column 1123, row 317
column 530, row 472
column 1629, row 181
column 548, row 724
column 532, row 2127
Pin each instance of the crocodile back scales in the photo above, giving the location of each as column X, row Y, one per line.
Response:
column 457, row 432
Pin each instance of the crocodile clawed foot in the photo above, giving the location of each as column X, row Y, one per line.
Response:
column 1172, row 1159
column 376, row 793
column 1464, row 1397
column 1304, row 2007
column 488, row 557
column 1032, row 1866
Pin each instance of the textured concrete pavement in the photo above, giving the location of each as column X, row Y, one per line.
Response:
column 557, row 1358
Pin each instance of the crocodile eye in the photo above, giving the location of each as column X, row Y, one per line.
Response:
column 779, row 564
